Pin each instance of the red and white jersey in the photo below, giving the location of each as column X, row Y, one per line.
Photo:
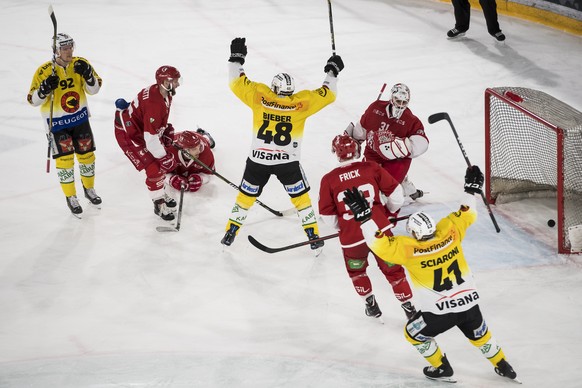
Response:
column 187, row 166
column 376, row 120
column 146, row 119
column 372, row 181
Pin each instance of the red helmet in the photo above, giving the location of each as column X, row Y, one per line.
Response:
column 187, row 139
column 345, row 147
column 166, row 73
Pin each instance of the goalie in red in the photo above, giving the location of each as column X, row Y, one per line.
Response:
column 188, row 172
column 385, row 195
column 394, row 136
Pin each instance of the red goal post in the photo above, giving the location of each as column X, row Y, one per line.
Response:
column 533, row 148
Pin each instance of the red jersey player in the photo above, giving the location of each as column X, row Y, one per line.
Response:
column 142, row 128
column 385, row 196
column 188, row 172
column 394, row 136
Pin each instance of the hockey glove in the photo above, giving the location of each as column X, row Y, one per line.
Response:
column 334, row 64
column 474, row 180
column 48, row 85
column 85, row 69
column 168, row 135
column 194, row 182
column 177, row 181
column 238, row 50
column 358, row 205
column 167, row 163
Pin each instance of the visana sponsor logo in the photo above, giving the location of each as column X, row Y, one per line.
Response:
column 443, row 259
column 458, row 302
column 433, row 247
column 270, row 156
column 276, row 105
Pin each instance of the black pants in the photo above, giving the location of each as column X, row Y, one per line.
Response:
column 463, row 15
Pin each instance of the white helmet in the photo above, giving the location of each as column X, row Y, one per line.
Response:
column 421, row 226
column 399, row 98
column 62, row 41
column 283, row 84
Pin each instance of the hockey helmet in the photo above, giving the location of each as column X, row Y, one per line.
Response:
column 168, row 73
column 399, row 97
column 421, row 226
column 345, row 148
column 283, row 84
column 63, row 40
column 189, row 140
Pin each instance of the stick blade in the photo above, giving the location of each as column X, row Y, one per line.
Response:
column 260, row 246
column 167, row 229
column 437, row 117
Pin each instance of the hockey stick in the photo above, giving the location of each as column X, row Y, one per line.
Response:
column 213, row 172
column 267, row 249
column 179, row 217
column 331, row 27
column 50, row 126
column 381, row 91
column 445, row 116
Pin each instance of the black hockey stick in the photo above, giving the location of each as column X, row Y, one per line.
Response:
column 331, row 27
column 267, row 249
column 213, row 172
column 50, row 125
column 445, row 116
column 179, row 217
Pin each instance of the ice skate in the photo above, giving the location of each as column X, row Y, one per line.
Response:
column 74, row 206
column 93, row 198
column 499, row 36
column 409, row 309
column 316, row 246
column 229, row 235
column 455, row 33
column 161, row 210
column 442, row 373
column 505, row 370
column 170, row 202
column 372, row 308
column 417, row 194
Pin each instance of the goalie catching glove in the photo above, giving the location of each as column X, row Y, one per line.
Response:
column 358, row 204
column 391, row 147
column 474, row 180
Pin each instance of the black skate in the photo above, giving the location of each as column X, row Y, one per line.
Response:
column 409, row 310
column 372, row 308
column 170, row 202
column 442, row 373
column 161, row 210
column 229, row 235
column 500, row 36
column 207, row 135
column 74, row 206
column 92, row 196
column 454, row 33
column 505, row 370
column 313, row 236
column 416, row 195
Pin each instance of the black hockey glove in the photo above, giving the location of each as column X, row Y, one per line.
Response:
column 334, row 64
column 238, row 50
column 48, row 85
column 85, row 69
column 358, row 205
column 474, row 180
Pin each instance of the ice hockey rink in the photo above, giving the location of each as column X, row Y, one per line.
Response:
column 107, row 301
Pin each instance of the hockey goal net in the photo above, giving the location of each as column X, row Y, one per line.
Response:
column 533, row 148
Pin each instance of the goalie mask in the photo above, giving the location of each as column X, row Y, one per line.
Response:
column 63, row 40
column 283, row 84
column 421, row 226
column 189, row 141
column 345, row 148
column 171, row 74
column 399, row 99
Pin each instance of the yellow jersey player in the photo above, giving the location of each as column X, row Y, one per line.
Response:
column 442, row 280
column 279, row 116
column 60, row 88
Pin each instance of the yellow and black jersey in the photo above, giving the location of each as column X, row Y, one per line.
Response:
column 441, row 277
column 70, row 101
column 278, row 121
